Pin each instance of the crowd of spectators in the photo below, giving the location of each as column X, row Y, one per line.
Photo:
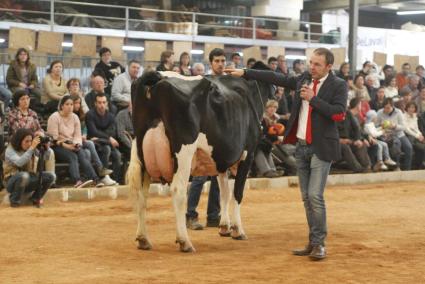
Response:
column 383, row 127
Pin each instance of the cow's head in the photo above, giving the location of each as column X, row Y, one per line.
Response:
column 141, row 86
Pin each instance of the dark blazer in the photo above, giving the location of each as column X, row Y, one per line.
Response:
column 329, row 103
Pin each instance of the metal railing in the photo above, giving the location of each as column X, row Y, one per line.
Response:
column 68, row 13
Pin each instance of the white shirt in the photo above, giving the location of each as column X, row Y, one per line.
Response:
column 303, row 116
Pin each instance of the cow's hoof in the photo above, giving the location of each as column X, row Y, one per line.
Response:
column 224, row 231
column 144, row 244
column 241, row 237
column 185, row 246
column 237, row 235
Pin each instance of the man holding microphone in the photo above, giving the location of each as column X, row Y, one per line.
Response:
column 319, row 102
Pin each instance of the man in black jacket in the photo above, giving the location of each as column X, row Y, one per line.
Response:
column 102, row 129
column 107, row 68
column 319, row 102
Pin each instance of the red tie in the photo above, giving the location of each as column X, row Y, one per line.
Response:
column 308, row 135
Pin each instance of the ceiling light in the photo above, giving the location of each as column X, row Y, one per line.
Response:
column 66, row 44
column 403, row 13
column 196, row 51
column 302, row 57
column 133, row 48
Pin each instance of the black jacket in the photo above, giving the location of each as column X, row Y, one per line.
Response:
column 329, row 102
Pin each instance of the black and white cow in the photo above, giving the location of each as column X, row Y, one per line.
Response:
column 200, row 126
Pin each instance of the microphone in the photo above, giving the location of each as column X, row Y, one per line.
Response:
column 306, row 80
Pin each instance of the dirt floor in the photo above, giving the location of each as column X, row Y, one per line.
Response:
column 376, row 235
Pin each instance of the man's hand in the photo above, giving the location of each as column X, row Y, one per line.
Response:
column 345, row 141
column 35, row 142
column 234, row 72
column 421, row 138
column 306, row 93
column 22, row 85
column 114, row 142
column 358, row 143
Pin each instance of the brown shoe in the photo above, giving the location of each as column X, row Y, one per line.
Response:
column 303, row 252
column 318, row 253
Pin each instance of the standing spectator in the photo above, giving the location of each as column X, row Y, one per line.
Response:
column 414, row 134
column 391, row 89
column 392, row 121
column 102, row 129
column 125, row 132
column 184, row 64
column 107, row 68
column 420, row 72
column 388, row 71
column 121, row 89
column 167, row 61
column 236, row 59
column 281, row 65
column 367, row 66
column 272, row 63
column 198, row 69
column 378, row 103
column 74, row 90
column 22, row 75
column 297, row 68
column 54, row 86
column 402, row 78
column 65, row 128
column 20, row 169
column 98, row 85
column 250, row 62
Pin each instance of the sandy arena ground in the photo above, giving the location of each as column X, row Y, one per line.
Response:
column 376, row 235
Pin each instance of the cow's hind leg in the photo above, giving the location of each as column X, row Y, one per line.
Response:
column 139, row 187
column 225, row 195
column 179, row 191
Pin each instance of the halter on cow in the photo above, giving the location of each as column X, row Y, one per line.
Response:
column 202, row 126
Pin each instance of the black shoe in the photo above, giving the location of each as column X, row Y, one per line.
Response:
column 303, row 252
column 318, row 253
column 193, row 224
column 14, row 205
column 213, row 222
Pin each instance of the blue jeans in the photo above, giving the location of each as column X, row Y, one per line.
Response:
column 312, row 175
column 28, row 182
column 94, row 157
column 5, row 96
column 195, row 190
column 407, row 149
column 106, row 152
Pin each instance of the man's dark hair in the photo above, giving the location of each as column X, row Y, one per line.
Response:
column 18, row 95
column 134, row 61
column 251, row 59
column 387, row 66
column 329, row 56
column 216, row 52
column 104, row 50
column 388, row 101
column 366, row 63
column 388, row 80
column 296, row 61
column 18, row 137
column 405, row 64
column 354, row 103
column 235, row 54
column 100, row 95
column 271, row 59
column 419, row 67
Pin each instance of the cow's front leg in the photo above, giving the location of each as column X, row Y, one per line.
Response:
column 179, row 191
column 225, row 195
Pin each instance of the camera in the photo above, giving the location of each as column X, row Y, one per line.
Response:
column 45, row 139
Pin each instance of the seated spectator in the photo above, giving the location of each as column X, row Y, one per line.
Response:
column 121, row 89
column 391, row 89
column 298, row 68
column 344, row 71
column 22, row 75
column 420, row 102
column 406, row 97
column 22, row 116
column 366, row 70
column 97, row 84
column 65, row 128
column 250, row 62
column 263, row 157
column 107, row 69
column 392, row 121
column 370, row 83
column 74, row 90
column 54, row 86
column 414, row 134
column 358, row 89
column 402, row 78
column 354, row 151
column 236, row 59
column 413, row 85
column 20, row 169
column 420, row 72
column 102, row 129
column 378, row 103
column 125, row 132
column 198, row 69
column 167, row 61
column 88, row 145
column 377, row 133
column 184, row 64
column 282, row 109
column 5, row 97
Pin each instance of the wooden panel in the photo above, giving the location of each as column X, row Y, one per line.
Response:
column 84, row 45
column 380, row 58
column 414, row 62
column 254, row 52
column 272, row 51
column 153, row 50
column 308, row 53
column 339, row 56
column 181, row 46
column 114, row 44
column 50, row 42
column 399, row 60
column 21, row 38
column 208, row 47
